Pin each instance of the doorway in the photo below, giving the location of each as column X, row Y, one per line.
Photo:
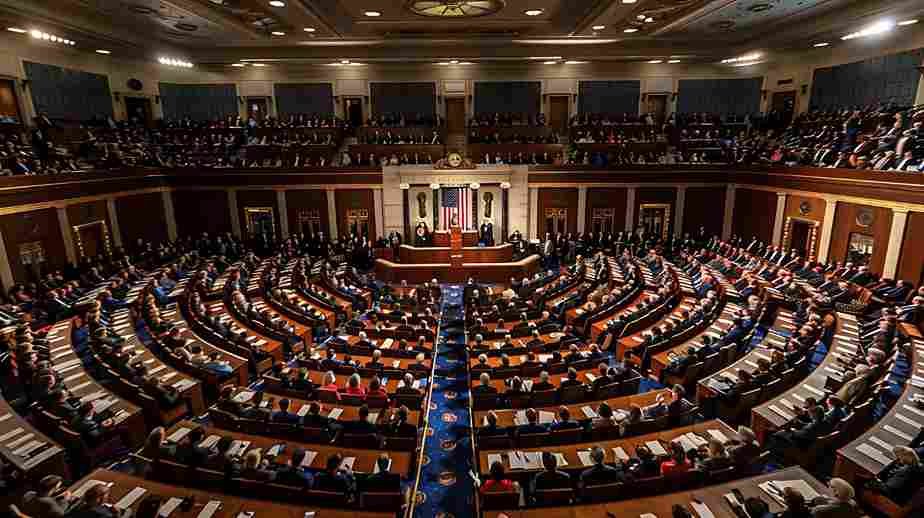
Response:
column 455, row 114
column 91, row 239
column 784, row 105
column 558, row 112
column 9, row 105
column 256, row 108
column 656, row 105
column 353, row 108
column 138, row 110
column 799, row 237
column 654, row 219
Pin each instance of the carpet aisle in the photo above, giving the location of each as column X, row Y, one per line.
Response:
column 445, row 489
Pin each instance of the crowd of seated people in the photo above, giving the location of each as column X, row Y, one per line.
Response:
column 476, row 137
column 295, row 120
column 405, row 120
column 388, row 138
column 507, row 119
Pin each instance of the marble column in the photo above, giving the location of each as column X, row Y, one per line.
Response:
column 67, row 234
column 679, row 206
column 378, row 213
column 778, row 219
column 169, row 215
column 582, row 210
column 827, row 227
column 283, row 214
column 332, row 214
column 630, row 210
column 896, row 238
column 729, row 212
column 114, row 230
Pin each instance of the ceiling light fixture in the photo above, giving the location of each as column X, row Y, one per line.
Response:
column 655, row 61
column 39, row 35
column 310, row 29
column 533, row 12
column 355, row 64
column 629, row 1
column 17, row 30
column 747, row 57
column 453, row 61
column 345, row 61
column 599, row 27
column 238, row 64
column 277, row 3
column 574, row 62
column 278, row 33
column 259, row 64
column 880, row 27
column 544, row 58
column 174, row 62
column 907, row 22
column 550, row 62
column 630, row 30
column 104, row 52
column 821, row 44
column 443, row 63
column 373, row 14
column 673, row 61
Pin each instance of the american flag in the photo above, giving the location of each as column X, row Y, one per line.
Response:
column 456, row 202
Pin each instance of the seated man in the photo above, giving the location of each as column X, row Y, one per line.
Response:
column 484, row 385
column 361, row 425
column 600, row 472
column 532, row 425
column 551, row 478
column 382, row 482
column 283, row 415
column 334, row 478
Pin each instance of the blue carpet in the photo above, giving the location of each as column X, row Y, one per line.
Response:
column 445, row 488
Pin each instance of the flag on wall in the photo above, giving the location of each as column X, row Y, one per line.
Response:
column 457, row 205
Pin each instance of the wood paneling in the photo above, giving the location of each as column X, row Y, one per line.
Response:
column 432, row 255
column 348, row 199
column 303, row 200
column 845, row 223
column 93, row 241
column 607, row 198
column 558, row 199
column 911, row 262
column 38, row 226
column 257, row 199
column 141, row 217
column 201, row 211
column 754, row 214
column 704, row 207
column 8, row 105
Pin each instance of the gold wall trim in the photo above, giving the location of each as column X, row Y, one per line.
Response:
column 66, row 202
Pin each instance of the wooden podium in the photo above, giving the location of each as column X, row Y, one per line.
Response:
column 455, row 247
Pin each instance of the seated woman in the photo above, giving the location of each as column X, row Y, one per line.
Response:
column 329, row 384
column 354, row 386
column 633, row 418
column 498, row 482
column 677, row 464
column 902, row 479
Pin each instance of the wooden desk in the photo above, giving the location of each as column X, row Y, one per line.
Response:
column 239, row 373
column 349, row 412
column 630, row 342
column 662, row 359
column 764, row 419
column 489, row 272
column 69, row 368
column 662, row 505
column 441, row 238
column 478, row 254
column 898, row 427
column 272, row 348
column 365, row 459
column 570, row 451
column 45, row 460
column 506, row 417
column 122, row 484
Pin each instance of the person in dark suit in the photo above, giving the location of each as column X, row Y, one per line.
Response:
column 484, row 385
column 551, row 478
column 48, row 500
column 361, row 425
column 89, row 426
column 543, row 383
column 490, row 427
column 293, row 473
column 283, row 415
column 382, row 482
column 572, row 379
column 397, row 424
column 334, row 479
column 563, row 421
column 902, row 479
column 189, row 452
column 95, row 504
column 600, row 472
column 532, row 425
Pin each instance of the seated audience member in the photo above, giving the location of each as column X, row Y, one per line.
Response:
column 632, row 419
column 543, row 383
column 283, row 415
column 669, row 407
column 361, row 425
column 532, row 425
column 840, row 505
column 677, row 464
column 716, row 457
column 255, row 467
column 745, row 451
column 600, row 472
column 354, row 386
column 903, row 478
column 498, row 482
column 563, row 420
column 293, row 473
column 49, row 499
column 397, row 424
column 484, row 386
column 335, row 478
column 490, row 427
column 551, row 477
column 382, row 482
column 95, row 503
